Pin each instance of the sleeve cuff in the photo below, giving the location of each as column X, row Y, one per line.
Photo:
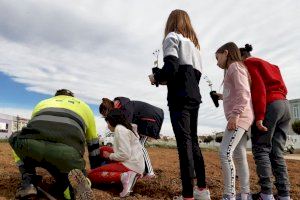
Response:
column 261, row 117
column 111, row 156
column 235, row 115
column 156, row 76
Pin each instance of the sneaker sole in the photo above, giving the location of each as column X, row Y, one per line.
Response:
column 30, row 193
column 82, row 190
column 28, row 197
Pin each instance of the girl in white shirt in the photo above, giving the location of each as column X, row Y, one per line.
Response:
column 125, row 160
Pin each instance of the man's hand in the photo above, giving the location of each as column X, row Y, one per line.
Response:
column 232, row 123
column 260, row 126
column 151, row 78
column 106, row 154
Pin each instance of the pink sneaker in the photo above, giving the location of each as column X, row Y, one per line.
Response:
column 128, row 180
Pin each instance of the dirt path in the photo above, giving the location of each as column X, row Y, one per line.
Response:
column 292, row 156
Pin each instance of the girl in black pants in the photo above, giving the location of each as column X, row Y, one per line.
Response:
column 182, row 71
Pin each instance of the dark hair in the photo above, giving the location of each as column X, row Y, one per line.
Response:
column 245, row 51
column 116, row 117
column 65, row 92
column 106, row 106
column 234, row 54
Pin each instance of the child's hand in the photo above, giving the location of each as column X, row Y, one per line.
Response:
column 260, row 126
column 220, row 96
column 232, row 123
column 151, row 78
column 106, row 154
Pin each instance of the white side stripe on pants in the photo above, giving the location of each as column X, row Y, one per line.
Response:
column 231, row 165
column 234, row 160
column 148, row 167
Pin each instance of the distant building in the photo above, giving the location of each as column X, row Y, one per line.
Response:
column 295, row 111
column 10, row 124
column 6, row 123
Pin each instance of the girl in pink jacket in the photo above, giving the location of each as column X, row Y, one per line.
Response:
column 239, row 114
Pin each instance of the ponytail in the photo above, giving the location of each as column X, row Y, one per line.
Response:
column 245, row 51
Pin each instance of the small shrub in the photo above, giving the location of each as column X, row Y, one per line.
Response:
column 296, row 127
column 208, row 139
column 219, row 139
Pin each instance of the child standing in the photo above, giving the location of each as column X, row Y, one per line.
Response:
column 182, row 71
column 126, row 161
column 269, row 133
column 239, row 114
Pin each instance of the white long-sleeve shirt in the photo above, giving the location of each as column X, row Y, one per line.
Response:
column 128, row 149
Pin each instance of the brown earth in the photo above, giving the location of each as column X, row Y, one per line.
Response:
column 165, row 186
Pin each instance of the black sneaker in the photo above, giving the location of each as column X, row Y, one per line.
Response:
column 36, row 179
column 27, row 192
column 276, row 197
column 257, row 196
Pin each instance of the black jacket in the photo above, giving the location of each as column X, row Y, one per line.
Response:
column 147, row 117
column 182, row 71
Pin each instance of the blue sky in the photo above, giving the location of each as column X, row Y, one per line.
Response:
column 104, row 49
column 16, row 96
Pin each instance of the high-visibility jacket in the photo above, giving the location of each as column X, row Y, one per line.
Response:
column 66, row 120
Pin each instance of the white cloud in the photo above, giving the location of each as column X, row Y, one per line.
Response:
column 104, row 48
column 24, row 113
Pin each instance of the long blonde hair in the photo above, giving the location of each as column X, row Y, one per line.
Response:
column 179, row 22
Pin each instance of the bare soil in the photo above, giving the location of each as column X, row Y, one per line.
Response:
column 166, row 185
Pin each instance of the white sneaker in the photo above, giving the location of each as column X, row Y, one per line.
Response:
column 201, row 194
column 149, row 176
column 128, row 180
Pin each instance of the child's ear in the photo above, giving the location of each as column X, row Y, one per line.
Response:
column 226, row 53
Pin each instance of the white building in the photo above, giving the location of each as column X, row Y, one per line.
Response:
column 295, row 111
column 10, row 124
column 6, row 123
